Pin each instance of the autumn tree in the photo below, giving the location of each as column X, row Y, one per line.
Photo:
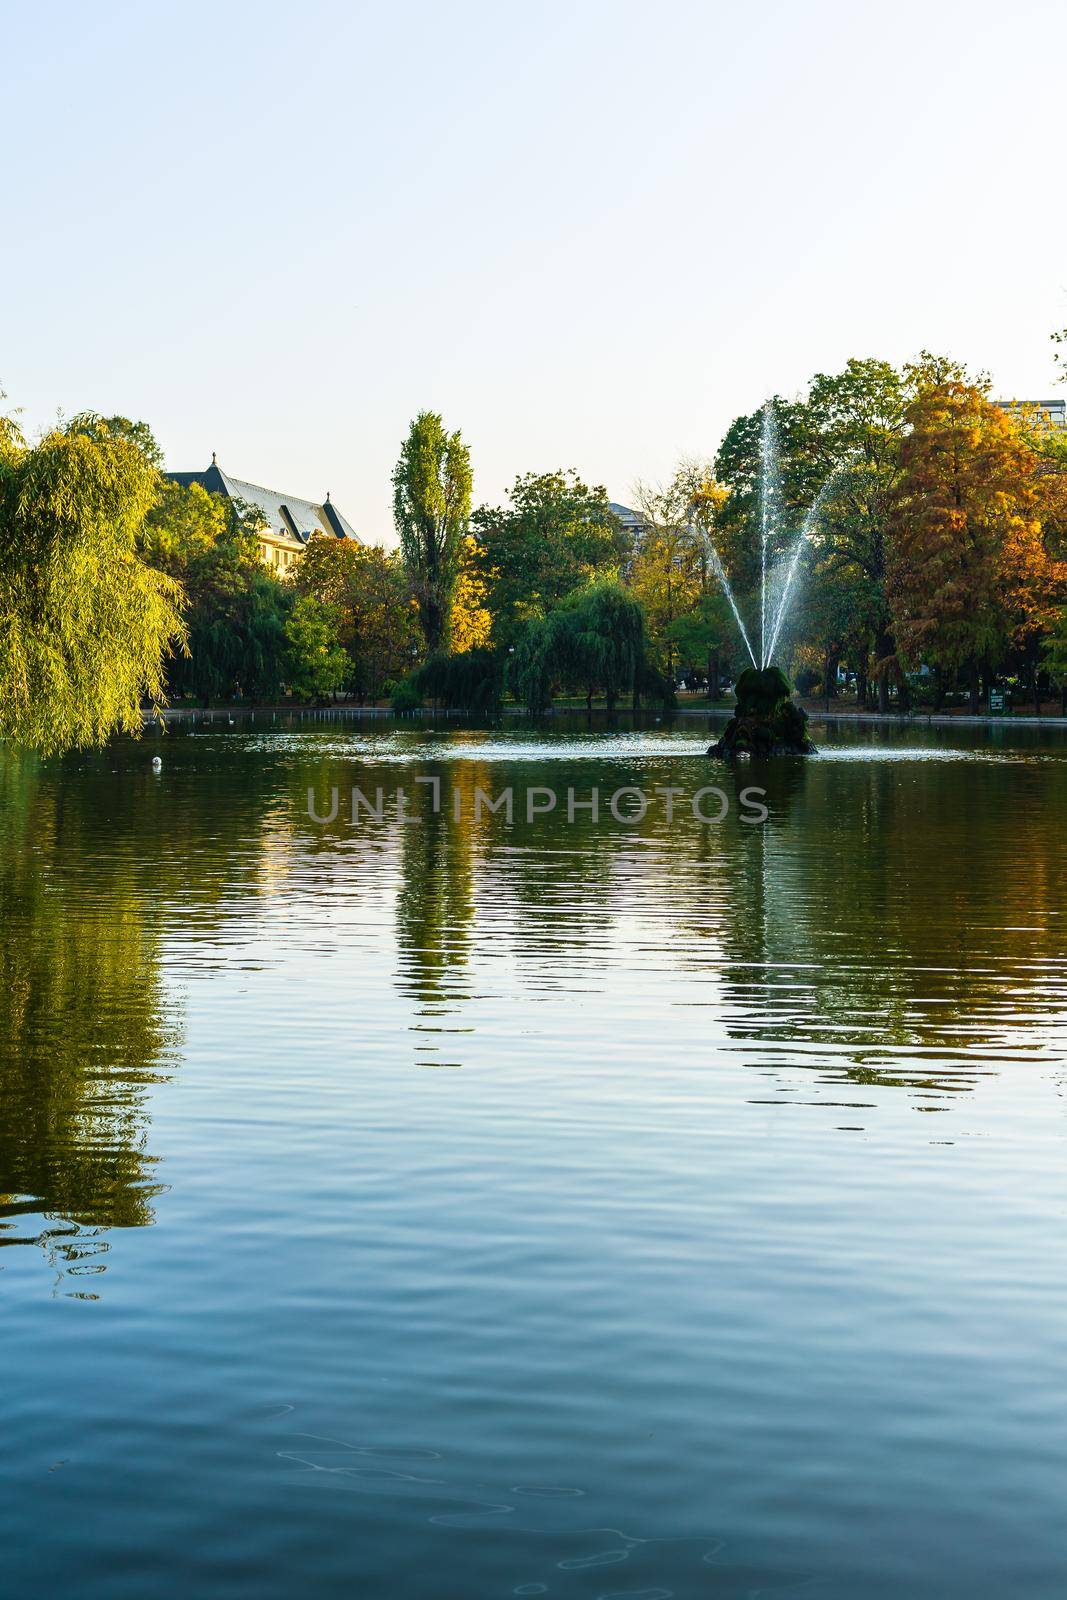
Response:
column 431, row 508
column 966, row 556
column 472, row 621
column 367, row 589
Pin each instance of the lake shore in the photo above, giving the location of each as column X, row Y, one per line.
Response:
column 224, row 714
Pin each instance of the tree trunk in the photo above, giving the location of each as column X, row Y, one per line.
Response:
column 713, row 675
column 883, row 649
column 861, row 681
column 975, row 688
column 1034, row 676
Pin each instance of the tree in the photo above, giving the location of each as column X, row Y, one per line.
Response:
column 93, row 426
column 701, row 637
column 85, row 623
column 431, row 508
column 838, row 611
column 738, row 467
column 315, row 664
column 472, row 622
column 595, row 640
column 236, row 608
column 468, row 680
column 184, row 523
column 668, row 572
column 856, row 428
column 377, row 623
column 966, row 531
column 555, row 535
column 1054, row 654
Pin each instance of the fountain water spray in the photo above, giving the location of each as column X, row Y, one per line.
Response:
column 770, row 508
column 770, row 486
column 806, row 531
column 720, row 573
column 767, row 721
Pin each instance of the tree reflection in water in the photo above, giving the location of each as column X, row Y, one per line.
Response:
column 84, row 1032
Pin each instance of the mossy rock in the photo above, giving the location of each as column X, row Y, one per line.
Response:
column 760, row 691
column 768, row 722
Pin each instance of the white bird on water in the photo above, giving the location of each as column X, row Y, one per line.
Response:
column 157, row 763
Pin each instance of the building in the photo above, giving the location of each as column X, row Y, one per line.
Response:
column 632, row 521
column 290, row 521
column 1054, row 411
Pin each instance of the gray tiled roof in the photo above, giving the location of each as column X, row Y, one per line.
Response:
column 307, row 516
column 626, row 515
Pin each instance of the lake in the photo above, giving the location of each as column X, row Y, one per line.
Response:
column 462, row 1206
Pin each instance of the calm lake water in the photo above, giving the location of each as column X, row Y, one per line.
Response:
column 462, row 1209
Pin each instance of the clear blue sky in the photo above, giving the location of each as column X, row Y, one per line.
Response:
column 590, row 233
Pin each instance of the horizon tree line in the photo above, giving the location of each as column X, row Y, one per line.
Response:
column 938, row 545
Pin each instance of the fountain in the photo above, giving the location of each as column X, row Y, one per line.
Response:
column 767, row 720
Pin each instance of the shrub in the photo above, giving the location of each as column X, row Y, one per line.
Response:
column 472, row 680
column 406, row 697
column 807, row 678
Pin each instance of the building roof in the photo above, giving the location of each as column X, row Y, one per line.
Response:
column 287, row 514
column 627, row 515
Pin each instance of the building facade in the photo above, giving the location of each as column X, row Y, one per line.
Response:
column 1053, row 413
column 290, row 521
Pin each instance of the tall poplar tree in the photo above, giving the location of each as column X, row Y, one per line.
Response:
column 431, row 508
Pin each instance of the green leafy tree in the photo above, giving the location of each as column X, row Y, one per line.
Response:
column 856, row 429
column 237, row 609
column 594, row 640
column 468, row 680
column 315, row 664
column 738, row 468
column 431, row 508
column 555, row 535
column 184, row 523
column 85, row 623
column 840, row 457
column 91, row 425
column 703, row 637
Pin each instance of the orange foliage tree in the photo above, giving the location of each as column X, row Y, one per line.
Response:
column 969, row 571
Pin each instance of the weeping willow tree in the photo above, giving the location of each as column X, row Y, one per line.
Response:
column 594, row 641
column 85, row 624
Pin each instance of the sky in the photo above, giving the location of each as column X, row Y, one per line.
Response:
column 589, row 234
